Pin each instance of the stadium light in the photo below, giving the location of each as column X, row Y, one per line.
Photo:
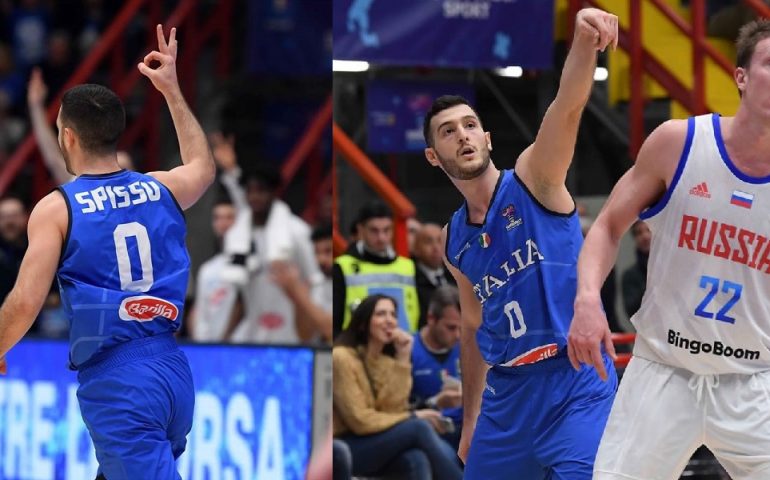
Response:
column 349, row 66
column 514, row 72
column 601, row 74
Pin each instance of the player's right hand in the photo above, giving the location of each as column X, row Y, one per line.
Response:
column 586, row 333
column 36, row 88
column 465, row 442
column 3, row 366
column 163, row 77
column 598, row 27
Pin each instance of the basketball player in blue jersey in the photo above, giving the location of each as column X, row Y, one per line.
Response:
column 702, row 351
column 513, row 246
column 116, row 241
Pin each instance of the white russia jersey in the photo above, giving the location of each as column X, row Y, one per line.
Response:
column 707, row 304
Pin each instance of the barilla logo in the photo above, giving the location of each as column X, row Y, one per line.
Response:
column 701, row 190
column 146, row 308
column 535, row 355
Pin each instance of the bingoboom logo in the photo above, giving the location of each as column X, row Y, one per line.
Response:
column 145, row 308
column 716, row 347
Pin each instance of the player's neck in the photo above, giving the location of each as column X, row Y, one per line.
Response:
column 747, row 139
column 97, row 165
column 478, row 192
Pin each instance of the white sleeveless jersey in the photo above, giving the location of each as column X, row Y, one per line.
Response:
column 707, row 304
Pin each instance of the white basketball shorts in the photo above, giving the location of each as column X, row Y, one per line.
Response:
column 662, row 414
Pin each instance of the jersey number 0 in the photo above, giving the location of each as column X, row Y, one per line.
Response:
column 120, row 235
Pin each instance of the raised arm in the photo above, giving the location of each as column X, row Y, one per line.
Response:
column 44, row 133
column 45, row 230
column 189, row 181
column 639, row 188
column 543, row 166
column 223, row 148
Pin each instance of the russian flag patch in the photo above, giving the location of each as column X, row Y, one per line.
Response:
column 742, row 199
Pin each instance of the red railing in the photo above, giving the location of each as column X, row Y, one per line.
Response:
column 694, row 99
column 622, row 359
column 401, row 206
column 124, row 77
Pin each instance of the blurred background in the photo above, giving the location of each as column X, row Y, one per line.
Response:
column 393, row 58
column 258, row 318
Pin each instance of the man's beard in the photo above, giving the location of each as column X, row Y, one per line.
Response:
column 453, row 169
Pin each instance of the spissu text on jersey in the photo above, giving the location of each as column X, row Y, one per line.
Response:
column 521, row 259
column 118, row 196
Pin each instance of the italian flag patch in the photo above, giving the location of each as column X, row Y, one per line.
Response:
column 485, row 240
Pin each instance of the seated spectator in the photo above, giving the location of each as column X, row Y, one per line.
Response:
column 436, row 361
column 13, row 241
column 371, row 364
column 428, row 256
column 634, row 279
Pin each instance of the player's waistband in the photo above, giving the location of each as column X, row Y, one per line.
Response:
column 559, row 362
column 126, row 352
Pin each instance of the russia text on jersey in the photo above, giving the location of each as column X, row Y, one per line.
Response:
column 726, row 241
column 491, row 281
column 716, row 347
column 119, row 196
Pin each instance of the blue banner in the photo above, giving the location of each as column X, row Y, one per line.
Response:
column 253, row 409
column 288, row 38
column 456, row 33
column 395, row 111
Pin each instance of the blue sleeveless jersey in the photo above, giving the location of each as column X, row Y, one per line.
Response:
column 522, row 263
column 124, row 265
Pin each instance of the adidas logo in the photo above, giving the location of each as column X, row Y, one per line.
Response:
column 700, row 190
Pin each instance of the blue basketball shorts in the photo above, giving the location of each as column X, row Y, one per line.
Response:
column 540, row 422
column 137, row 402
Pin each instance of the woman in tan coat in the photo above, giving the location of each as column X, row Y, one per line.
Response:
column 372, row 380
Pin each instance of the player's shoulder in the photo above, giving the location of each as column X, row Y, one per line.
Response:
column 671, row 134
column 51, row 209
column 52, row 204
column 663, row 148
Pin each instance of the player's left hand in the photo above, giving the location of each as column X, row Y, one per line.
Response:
column 3, row 366
column 587, row 332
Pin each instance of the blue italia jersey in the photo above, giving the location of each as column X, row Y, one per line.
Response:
column 124, row 265
column 522, row 263
column 429, row 375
